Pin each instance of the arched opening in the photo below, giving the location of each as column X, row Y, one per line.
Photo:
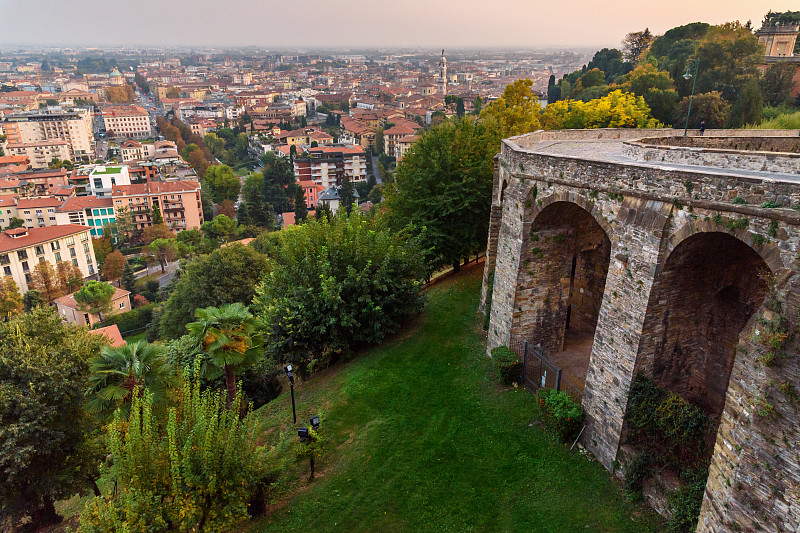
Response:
column 565, row 260
column 710, row 286
column 700, row 304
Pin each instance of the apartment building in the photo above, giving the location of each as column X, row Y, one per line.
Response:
column 403, row 145
column 40, row 153
column 178, row 201
column 91, row 211
column 22, row 248
column 392, row 135
column 74, row 127
column 355, row 132
column 328, row 165
column 127, row 121
column 103, row 178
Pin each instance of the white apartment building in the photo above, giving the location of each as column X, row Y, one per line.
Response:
column 74, row 127
column 127, row 121
column 103, row 178
column 22, row 248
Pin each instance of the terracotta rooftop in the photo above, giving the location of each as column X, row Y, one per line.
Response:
column 68, row 300
column 45, row 201
column 155, row 187
column 27, row 237
column 76, row 203
column 113, row 334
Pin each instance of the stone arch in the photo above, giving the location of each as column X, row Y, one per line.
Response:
column 503, row 187
column 541, row 202
column 768, row 251
column 563, row 267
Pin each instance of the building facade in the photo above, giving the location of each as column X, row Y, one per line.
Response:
column 129, row 121
column 178, row 201
column 22, row 248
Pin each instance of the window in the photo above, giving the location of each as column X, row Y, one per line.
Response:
column 70, row 241
column 58, row 256
column 42, row 260
column 55, row 245
column 84, row 237
column 86, row 247
column 91, row 269
column 7, row 270
column 75, row 262
column 39, row 249
column 72, row 252
column 25, row 266
column 4, row 260
column 52, row 218
column 98, row 183
column 122, row 305
column 27, row 278
column 22, row 254
column 89, row 259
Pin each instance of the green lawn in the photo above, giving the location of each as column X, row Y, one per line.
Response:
column 421, row 438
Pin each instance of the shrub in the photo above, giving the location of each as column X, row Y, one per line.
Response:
column 195, row 471
column 561, row 414
column 637, row 471
column 131, row 321
column 508, row 364
column 685, row 502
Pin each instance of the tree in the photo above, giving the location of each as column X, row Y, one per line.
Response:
column 300, row 208
column 257, row 209
column 157, row 231
column 31, row 300
column 43, row 424
column 460, row 108
column 222, row 182
column 155, row 215
column 227, row 208
column 128, row 280
column 748, row 108
column 347, row 195
column 15, row 223
column 553, row 90
column 477, row 105
column 227, row 275
column 45, row 281
column 197, row 160
column 116, row 372
column 95, row 298
column 516, row 112
column 221, row 228
column 444, row 186
column 777, row 83
column 379, row 142
column 635, row 44
column 164, row 251
column 227, row 336
column 656, row 87
column 113, row 265
column 123, row 219
column 10, row 298
column 323, row 211
column 610, row 61
column 332, row 285
column 710, row 107
column 278, row 183
column 102, row 247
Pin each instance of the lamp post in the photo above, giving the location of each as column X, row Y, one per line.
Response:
column 289, row 374
column 689, row 64
column 306, row 435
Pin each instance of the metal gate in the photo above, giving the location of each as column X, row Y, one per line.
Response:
column 538, row 371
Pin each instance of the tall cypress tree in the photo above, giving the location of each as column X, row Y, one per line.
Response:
column 156, row 215
column 300, row 209
column 346, row 195
column 128, row 279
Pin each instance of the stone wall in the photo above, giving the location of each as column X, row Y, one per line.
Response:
column 784, row 163
column 710, row 292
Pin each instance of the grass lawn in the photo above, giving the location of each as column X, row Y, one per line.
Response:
column 140, row 336
column 421, row 438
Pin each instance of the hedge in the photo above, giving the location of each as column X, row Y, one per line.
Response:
column 131, row 321
column 562, row 415
column 508, row 365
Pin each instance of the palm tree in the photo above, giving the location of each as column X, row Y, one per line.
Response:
column 227, row 336
column 117, row 372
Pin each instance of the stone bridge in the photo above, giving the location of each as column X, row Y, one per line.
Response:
column 636, row 251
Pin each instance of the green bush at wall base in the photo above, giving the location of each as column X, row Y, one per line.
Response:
column 507, row 364
column 562, row 415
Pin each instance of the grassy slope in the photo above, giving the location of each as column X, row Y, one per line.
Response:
column 422, row 439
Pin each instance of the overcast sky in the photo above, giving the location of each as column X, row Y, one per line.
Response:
column 365, row 23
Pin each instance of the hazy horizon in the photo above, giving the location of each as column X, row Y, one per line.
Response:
column 347, row 24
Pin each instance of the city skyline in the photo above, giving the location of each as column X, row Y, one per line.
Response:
column 510, row 23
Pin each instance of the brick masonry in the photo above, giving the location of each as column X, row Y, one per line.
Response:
column 674, row 274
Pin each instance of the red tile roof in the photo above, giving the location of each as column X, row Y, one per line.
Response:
column 36, row 236
column 46, row 201
column 76, row 203
column 68, row 300
column 113, row 334
column 155, row 187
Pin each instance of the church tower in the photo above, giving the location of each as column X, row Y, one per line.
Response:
column 441, row 80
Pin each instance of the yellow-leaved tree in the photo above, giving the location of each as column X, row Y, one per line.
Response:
column 615, row 110
column 516, row 112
